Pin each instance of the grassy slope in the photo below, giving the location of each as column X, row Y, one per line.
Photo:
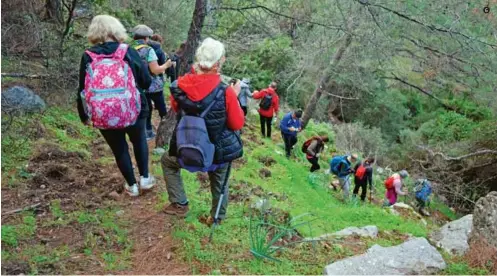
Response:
column 306, row 194
column 230, row 251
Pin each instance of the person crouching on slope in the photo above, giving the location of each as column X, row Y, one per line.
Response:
column 363, row 176
column 208, row 114
column 313, row 148
column 341, row 166
column 393, row 186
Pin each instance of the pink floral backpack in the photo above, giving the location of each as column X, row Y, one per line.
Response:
column 111, row 98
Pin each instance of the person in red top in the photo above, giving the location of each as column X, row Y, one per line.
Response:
column 193, row 88
column 266, row 112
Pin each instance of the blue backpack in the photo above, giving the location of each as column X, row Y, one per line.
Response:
column 423, row 190
column 195, row 149
column 335, row 162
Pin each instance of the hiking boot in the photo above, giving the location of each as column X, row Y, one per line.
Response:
column 131, row 190
column 147, row 183
column 150, row 135
column 210, row 221
column 176, row 209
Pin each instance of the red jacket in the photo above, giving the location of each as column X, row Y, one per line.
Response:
column 198, row 87
column 275, row 103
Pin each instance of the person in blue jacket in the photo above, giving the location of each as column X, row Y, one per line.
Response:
column 290, row 125
column 341, row 166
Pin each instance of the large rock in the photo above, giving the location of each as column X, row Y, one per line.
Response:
column 370, row 231
column 453, row 236
column 485, row 219
column 415, row 256
column 21, row 99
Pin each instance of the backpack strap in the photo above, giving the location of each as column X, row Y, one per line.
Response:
column 121, row 51
column 220, row 91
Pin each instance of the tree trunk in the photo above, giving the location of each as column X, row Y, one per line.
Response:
column 324, row 82
column 165, row 129
column 53, row 10
column 166, row 126
column 193, row 36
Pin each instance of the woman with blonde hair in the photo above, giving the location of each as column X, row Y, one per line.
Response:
column 110, row 96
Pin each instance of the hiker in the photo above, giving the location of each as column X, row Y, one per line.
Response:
column 313, row 149
column 107, row 35
column 363, row 176
column 244, row 94
column 148, row 52
column 393, row 186
column 209, row 117
column 268, row 107
column 173, row 72
column 422, row 191
column 290, row 125
column 341, row 166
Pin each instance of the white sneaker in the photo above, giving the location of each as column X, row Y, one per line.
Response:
column 131, row 190
column 147, row 183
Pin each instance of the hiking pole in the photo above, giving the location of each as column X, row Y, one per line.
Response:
column 224, row 189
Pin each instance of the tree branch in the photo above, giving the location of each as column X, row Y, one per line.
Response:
column 428, row 93
column 340, row 97
column 459, row 158
column 429, row 26
column 268, row 10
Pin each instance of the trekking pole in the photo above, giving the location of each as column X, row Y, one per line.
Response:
column 220, row 202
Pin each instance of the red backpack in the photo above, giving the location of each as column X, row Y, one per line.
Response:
column 389, row 182
column 308, row 142
column 361, row 171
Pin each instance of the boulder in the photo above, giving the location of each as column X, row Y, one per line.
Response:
column 22, row 100
column 370, row 231
column 485, row 219
column 453, row 236
column 415, row 256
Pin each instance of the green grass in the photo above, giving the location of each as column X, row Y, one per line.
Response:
column 68, row 130
column 305, row 194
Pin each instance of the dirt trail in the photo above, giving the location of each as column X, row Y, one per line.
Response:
column 150, row 230
column 153, row 246
column 80, row 183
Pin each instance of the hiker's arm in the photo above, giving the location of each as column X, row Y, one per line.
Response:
column 235, row 116
column 284, row 124
column 312, row 147
column 397, row 184
column 276, row 104
column 82, row 74
column 258, row 94
column 156, row 69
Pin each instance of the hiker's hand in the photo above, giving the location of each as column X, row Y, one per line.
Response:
column 318, row 154
column 168, row 64
column 236, row 87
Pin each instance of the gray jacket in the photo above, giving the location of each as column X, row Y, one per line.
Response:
column 244, row 94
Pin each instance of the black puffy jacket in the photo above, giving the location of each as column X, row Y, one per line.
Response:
column 226, row 141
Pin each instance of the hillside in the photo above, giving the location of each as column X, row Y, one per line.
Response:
column 79, row 222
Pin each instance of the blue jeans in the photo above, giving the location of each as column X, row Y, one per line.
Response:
column 116, row 138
